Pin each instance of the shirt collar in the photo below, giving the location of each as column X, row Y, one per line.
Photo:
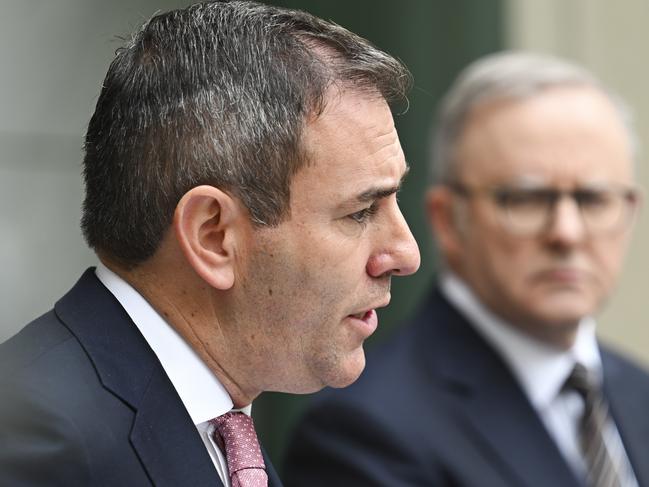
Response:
column 201, row 392
column 540, row 368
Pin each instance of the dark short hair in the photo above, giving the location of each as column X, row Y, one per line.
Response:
column 218, row 93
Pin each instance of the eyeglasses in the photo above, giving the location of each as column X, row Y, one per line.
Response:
column 529, row 211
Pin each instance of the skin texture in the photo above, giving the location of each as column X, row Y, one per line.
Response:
column 333, row 258
column 565, row 138
column 270, row 308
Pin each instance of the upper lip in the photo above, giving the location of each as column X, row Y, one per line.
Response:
column 380, row 304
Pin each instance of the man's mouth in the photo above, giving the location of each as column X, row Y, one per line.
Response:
column 363, row 315
column 364, row 322
column 562, row 275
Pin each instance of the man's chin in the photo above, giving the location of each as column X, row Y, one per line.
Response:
column 338, row 376
column 558, row 327
column 560, row 306
column 348, row 373
column 565, row 312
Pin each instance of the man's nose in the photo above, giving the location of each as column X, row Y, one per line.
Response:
column 397, row 251
column 567, row 224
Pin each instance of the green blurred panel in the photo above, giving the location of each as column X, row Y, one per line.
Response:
column 435, row 39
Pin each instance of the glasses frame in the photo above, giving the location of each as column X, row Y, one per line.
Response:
column 630, row 195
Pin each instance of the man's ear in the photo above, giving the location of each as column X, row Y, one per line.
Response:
column 206, row 224
column 444, row 218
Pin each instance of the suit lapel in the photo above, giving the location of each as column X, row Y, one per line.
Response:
column 629, row 406
column 192, row 464
column 166, row 440
column 163, row 435
column 493, row 408
column 273, row 478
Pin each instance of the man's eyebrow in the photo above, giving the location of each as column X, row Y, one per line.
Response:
column 378, row 193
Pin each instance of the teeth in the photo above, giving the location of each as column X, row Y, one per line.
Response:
column 359, row 316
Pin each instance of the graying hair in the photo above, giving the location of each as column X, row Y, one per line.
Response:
column 218, row 93
column 506, row 75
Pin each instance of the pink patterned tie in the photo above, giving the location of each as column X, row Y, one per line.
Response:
column 245, row 463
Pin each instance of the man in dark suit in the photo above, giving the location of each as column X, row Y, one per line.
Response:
column 241, row 171
column 499, row 380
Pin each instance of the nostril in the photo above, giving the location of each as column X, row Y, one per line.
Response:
column 410, row 261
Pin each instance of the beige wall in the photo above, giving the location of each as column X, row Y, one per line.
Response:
column 610, row 38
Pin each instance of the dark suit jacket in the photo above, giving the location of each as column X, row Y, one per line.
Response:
column 85, row 401
column 437, row 406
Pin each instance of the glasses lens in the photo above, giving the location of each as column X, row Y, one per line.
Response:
column 529, row 211
column 606, row 210
column 525, row 211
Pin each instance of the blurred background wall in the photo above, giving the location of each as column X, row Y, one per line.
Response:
column 53, row 57
column 54, row 54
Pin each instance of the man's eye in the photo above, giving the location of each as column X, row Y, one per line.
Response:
column 588, row 198
column 363, row 215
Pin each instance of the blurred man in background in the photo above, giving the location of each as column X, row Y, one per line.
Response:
column 241, row 171
column 499, row 380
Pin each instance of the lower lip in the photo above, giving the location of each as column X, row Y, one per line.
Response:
column 367, row 324
column 562, row 276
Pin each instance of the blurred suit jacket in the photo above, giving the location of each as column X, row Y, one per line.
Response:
column 85, row 402
column 436, row 406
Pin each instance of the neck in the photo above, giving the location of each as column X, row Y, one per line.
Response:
column 187, row 305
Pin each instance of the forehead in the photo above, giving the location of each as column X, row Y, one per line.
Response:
column 566, row 134
column 351, row 145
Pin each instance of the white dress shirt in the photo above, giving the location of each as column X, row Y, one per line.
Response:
column 201, row 392
column 540, row 369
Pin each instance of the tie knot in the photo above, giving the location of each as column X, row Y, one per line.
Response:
column 237, row 432
column 582, row 381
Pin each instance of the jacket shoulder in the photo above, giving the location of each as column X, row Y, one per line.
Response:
column 36, row 339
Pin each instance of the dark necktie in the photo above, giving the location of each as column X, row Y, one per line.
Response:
column 605, row 468
column 236, row 433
